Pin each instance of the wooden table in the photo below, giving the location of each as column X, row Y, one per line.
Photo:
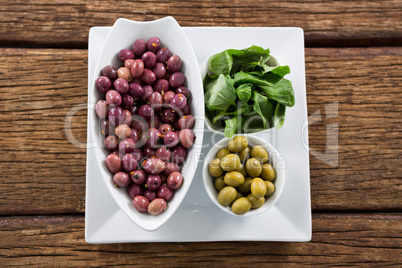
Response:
column 353, row 57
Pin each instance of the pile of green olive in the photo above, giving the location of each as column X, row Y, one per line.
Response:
column 243, row 176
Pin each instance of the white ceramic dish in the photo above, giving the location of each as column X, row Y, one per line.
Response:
column 197, row 218
column 122, row 35
column 274, row 158
column 272, row 61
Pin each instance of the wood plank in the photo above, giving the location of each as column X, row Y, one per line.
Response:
column 66, row 23
column 342, row 240
column 43, row 173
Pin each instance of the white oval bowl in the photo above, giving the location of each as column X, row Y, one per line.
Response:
column 122, row 35
column 274, row 158
column 272, row 61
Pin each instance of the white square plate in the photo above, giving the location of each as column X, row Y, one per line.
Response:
column 198, row 218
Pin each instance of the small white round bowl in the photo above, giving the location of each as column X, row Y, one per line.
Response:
column 274, row 159
column 272, row 61
column 122, row 35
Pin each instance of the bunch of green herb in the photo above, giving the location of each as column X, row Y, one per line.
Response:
column 243, row 94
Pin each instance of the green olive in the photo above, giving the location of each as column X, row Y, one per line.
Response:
column 234, row 178
column 241, row 206
column 245, row 154
column 238, row 195
column 256, row 203
column 253, row 167
column 219, row 183
column 260, row 153
column 242, row 169
column 214, row 168
column 258, row 188
column 245, row 187
column 268, row 172
column 237, row 144
column 230, row 162
column 222, row 153
column 270, row 188
column 227, row 195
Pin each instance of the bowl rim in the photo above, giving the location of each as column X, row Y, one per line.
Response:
column 277, row 161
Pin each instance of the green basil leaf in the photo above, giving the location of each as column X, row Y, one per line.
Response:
column 281, row 71
column 263, row 107
column 221, row 63
column 221, row 94
column 281, row 90
column 244, row 92
column 232, row 126
column 279, row 116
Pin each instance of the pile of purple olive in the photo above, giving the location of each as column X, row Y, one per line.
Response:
column 146, row 120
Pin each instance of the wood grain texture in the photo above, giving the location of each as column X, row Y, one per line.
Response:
column 65, row 23
column 338, row 240
column 43, row 173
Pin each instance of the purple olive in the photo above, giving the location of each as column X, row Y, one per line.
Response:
column 183, row 90
column 126, row 101
column 127, row 146
column 145, row 111
column 186, row 138
column 121, row 85
column 138, row 176
column 148, row 76
column 129, row 162
column 165, row 128
column 163, row 153
column 122, row 131
column 110, row 72
column 153, row 182
column 135, row 136
column 165, row 192
column 186, row 121
column 171, row 139
column 126, row 54
column 186, row 110
column 154, row 137
column 133, row 109
column 121, row 179
column 174, row 63
column 111, row 142
column 141, row 203
column 177, row 79
column 154, row 166
column 113, row 98
column 170, row 168
column 167, row 97
column 175, row 180
column 160, row 70
column 156, row 100
column 102, row 109
column 136, row 90
column 129, row 63
column 163, row 54
column 139, row 47
column 161, row 85
column 105, row 127
column 153, row 44
column 134, row 190
column 150, row 195
column 113, row 163
column 157, row 206
column 179, row 154
column 103, row 84
column 127, row 117
column 148, row 90
column 168, row 115
column 178, row 101
column 149, row 59
column 137, row 68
